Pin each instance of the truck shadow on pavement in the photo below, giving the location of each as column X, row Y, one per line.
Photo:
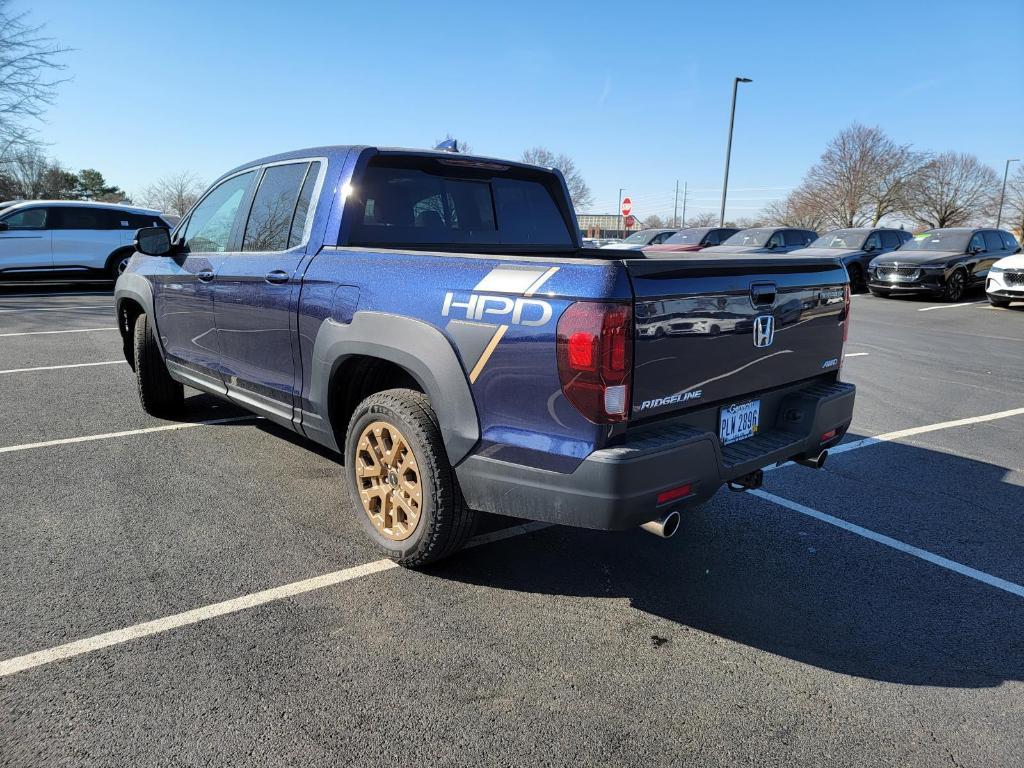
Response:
column 761, row 575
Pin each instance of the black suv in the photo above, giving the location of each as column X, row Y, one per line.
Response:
column 940, row 262
column 856, row 248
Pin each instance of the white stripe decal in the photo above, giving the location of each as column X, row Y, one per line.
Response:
column 922, row 554
column 540, row 281
column 58, row 367
column 509, row 279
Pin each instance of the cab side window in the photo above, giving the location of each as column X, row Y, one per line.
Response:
column 977, row 242
column 874, row 242
column 775, row 240
column 212, row 220
column 793, row 237
column 69, row 217
column 32, row 218
column 890, row 240
column 711, row 238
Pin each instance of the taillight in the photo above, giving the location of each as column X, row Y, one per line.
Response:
column 595, row 359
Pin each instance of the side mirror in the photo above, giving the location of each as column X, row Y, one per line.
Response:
column 153, row 241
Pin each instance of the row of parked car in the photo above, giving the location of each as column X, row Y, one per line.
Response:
column 73, row 237
column 945, row 263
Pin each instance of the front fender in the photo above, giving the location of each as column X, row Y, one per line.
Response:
column 415, row 346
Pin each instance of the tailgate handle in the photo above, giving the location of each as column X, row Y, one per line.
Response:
column 762, row 294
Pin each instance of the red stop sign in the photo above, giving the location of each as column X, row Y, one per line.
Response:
column 627, row 206
column 629, row 221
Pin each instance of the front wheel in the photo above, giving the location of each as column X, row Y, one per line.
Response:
column 956, row 286
column 403, row 488
column 997, row 302
column 159, row 394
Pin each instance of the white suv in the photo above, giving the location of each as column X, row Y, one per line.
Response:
column 1005, row 281
column 64, row 237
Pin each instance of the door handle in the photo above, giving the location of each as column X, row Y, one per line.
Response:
column 277, row 277
column 204, row 275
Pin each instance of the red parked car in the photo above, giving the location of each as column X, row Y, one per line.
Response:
column 693, row 239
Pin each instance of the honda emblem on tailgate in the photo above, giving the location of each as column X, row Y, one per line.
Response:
column 764, row 330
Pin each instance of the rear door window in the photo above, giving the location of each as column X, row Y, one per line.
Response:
column 874, row 241
column 993, row 241
column 977, row 242
column 412, row 205
column 1009, row 241
column 70, row 217
column 273, row 207
column 302, row 221
column 890, row 240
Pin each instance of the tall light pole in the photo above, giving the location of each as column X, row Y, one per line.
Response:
column 728, row 147
column 621, row 190
column 1002, row 195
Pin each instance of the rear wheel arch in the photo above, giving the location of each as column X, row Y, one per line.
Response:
column 378, row 348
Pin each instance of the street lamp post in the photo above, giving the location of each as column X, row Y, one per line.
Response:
column 728, row 147
column 621, row 190
column 1002, row 195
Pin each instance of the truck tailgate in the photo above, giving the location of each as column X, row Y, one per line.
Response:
column 721, row 329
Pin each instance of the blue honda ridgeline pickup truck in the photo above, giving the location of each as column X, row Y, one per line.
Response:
column 433, row 317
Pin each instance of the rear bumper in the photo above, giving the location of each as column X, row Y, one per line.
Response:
column 617, row 488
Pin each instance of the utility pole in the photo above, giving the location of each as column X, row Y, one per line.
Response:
column 1002, row 195
column 728, row 147
column 675, row 207
column 683, row 223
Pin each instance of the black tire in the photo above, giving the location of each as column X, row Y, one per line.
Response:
column 445, row 523
column 997, row 302
column 857, row 282
column 117, row 262
column 880, row 293
column 956, row 286
column 159, row 394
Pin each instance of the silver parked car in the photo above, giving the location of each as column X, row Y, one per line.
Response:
column 69, row 237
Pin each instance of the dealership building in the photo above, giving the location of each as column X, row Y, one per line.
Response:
column 606, row 224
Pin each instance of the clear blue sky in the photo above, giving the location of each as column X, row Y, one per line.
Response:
column 637, row 93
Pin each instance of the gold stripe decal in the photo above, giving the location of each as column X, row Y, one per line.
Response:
column 540, row 281
column 488, row 351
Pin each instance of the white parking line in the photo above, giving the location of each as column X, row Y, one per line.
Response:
column 125, row 433
column 58, row 367
column 950, row 306
column 254, row 600
column 104, row 307
column 167, row 623
column 942, row 562
column 856, row 354
column 196, row 615
column 46, row 333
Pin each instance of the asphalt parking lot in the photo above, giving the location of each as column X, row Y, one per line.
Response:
column 866, row 614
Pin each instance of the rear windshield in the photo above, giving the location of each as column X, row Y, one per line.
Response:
column 845, row 239
column 937, row 240
column 755, row 237
column 687, row 237
column 430, row 203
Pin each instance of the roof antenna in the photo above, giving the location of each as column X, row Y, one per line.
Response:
column 448, row 145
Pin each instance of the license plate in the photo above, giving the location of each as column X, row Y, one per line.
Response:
column 738, row 421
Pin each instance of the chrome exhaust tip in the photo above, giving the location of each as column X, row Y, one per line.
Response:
column 664, row 527
column 814, row 462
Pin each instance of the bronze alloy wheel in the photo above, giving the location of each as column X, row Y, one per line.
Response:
column 389, row 480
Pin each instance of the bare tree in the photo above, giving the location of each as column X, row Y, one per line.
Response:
column 28, row 61
column 802, row 208
column 578, row 189
column 952, row 189
column 654, row 221
column 174, row 193
column 706, row 219
column 862, row 177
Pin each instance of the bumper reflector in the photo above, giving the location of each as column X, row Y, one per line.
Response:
column 675, row 493
column 828, row 435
